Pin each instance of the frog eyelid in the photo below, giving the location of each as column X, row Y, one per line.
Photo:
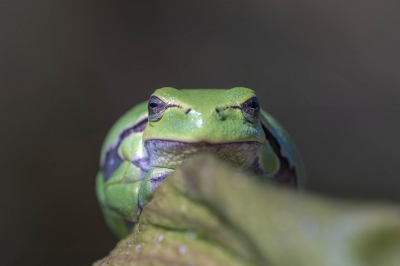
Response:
column 156, row 116
column 167, row 105
column 156, row 111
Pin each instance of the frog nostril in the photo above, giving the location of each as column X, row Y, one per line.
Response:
column 220, row 114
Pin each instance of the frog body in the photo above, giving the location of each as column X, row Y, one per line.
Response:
column 153, row 138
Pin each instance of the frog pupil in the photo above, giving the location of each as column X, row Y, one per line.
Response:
column 253, row 103
column 153, row 105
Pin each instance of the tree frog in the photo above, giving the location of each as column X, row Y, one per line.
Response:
column 147, row 143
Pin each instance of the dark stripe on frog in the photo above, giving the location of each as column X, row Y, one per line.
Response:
column 286, row 174
column 234, row 107
column 138, row 127
column 174, row 105
column 113, row 160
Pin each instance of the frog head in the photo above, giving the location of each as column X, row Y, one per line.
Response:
column 185, row 122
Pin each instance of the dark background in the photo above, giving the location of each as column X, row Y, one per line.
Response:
column 327, row 70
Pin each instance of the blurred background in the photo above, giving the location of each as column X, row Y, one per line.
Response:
column 327, row 70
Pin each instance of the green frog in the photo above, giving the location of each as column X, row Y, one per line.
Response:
column 147, row 143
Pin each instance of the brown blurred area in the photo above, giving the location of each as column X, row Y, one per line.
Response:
column 327, row 70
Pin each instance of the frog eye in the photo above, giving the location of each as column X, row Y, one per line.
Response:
column 250, row 110
column 156, row 108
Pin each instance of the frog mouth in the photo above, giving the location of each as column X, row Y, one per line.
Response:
column 169, row 153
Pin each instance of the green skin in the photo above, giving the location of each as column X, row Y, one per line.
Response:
column 140, row 151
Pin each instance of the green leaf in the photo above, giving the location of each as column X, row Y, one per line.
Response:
column 208, row 214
